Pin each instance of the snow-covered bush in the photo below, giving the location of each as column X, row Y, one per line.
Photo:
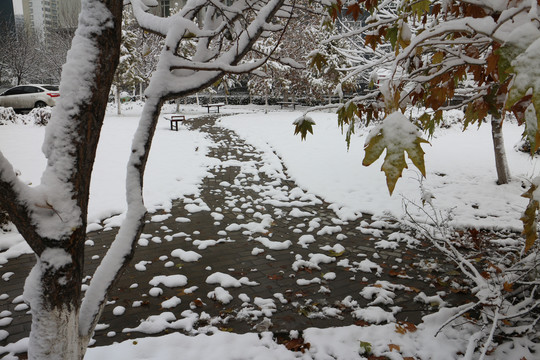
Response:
column 40, row 116
column 500, row 271
column 525, row 146
column 7, row 115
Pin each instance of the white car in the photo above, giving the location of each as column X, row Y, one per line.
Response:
column 27, row 97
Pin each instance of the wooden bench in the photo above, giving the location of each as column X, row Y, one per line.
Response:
column 174, row 119
column 287, row 103
column 217, row 106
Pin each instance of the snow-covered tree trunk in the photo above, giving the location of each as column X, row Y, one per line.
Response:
column 501, row 164
column 122, row 249
column 52, row 216
column 53, row 292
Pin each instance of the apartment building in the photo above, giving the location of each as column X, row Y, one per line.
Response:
column 43, row 15
column 163, row 9
column 7, row 17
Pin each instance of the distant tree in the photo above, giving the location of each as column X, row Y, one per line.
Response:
column 148, row 49
column 266, row 81
column 57, row 41
column 68, row 14
column 127, row 73
column 20, row 53
column 328, row 63
column 54, row 52
column 4, row 73
column 228, row 82
column 52, row 216
column 281, row 76
column 295, row 79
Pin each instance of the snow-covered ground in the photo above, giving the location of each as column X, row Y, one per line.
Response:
column 461, row 177
column 460, row 169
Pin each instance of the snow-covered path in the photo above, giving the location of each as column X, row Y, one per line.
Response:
column 254, row 252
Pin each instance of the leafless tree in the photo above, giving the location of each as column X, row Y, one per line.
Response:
column 20, row 52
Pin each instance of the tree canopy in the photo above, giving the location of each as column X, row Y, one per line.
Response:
column 438, row 55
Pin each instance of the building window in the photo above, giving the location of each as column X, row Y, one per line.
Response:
column 165, row 8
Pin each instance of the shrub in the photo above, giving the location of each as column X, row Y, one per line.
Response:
column 40, row 116
column 7, row 115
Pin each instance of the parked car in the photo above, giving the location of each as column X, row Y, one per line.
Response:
column 27, row 97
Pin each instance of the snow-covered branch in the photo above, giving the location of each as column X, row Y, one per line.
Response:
column 214, row 56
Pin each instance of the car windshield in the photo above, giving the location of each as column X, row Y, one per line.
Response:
column 50, row 87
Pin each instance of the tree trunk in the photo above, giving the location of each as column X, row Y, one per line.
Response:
column 285, row 97
column 49, row 289
column 56, row 229
column 118, row 101
column 501, row 164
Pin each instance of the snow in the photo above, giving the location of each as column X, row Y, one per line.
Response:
column 186, row 256
column 119, row 310
column 226, row 280
column 221, row 295
column 460, row 175
column 166, row 177
column 169, row 281
column 56, row 258
column 305, row 240
column 170, row 303
column 461, row 184
column 331, row 343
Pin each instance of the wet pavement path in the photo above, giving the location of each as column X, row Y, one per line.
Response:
column 254, row 252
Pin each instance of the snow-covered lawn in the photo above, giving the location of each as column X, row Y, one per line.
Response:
column 460, row 169
column 461, row 177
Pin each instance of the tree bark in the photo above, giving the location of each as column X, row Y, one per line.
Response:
column 55, row 312
column 118, row 101
column 53, row 288
column 501, row 164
